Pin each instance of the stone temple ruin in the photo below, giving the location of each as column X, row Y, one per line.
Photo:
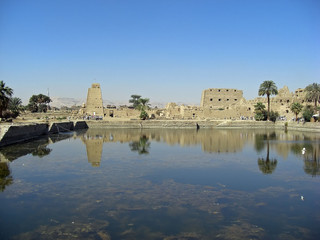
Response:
column 216, row 103
column 94, row 105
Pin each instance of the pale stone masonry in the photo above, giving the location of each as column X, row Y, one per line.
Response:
column 216, row 103
column 94, row 106
column 220, row 97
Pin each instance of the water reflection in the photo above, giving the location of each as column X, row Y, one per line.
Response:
column 142, row 146
column 192, row 189
column 310, row 155
column 94, row 143
column 266, row 165
column 211, row 141
column 36, row 148
column 312, row 161
column 5, row 176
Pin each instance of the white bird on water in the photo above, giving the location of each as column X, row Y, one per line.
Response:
column 302, row 198
column 303, row 150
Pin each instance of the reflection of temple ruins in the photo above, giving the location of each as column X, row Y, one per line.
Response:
column 94, row 144
column 211, row 141
column 216, row 103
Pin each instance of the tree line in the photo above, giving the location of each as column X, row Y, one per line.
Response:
column 11, row 107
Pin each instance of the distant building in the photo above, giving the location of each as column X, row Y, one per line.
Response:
column 216, row 103
column 220, row 97
column 94, row 105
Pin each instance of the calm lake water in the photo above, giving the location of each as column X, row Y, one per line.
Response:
column 162, row 184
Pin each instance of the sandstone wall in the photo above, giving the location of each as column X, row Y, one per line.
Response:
column 220, row 97
column 94, row 104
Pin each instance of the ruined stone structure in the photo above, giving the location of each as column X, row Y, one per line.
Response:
column 94, row 105
column 216, row 103
column 222, row 103
column 220, row 97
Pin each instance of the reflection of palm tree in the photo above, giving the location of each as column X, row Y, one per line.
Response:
column 5, row 176
column 142, row 146
column 267, row 165
column 260, row 140
column 310, row 157
column 312, row 164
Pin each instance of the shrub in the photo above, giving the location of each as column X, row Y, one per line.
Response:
column 261, row 115
column 307, row 113
column 143, row 115
column 273, row 116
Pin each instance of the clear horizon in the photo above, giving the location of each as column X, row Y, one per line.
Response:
column 168, row 51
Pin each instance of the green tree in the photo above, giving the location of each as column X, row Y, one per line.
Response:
column 268, row 88
column 313, row 93
column 296, row 108
column 38, row 103
column 307, row 113
column 143, row 105
column 134, row 100
column 5, row 94
column 261, row 113
column 15, row 106
column 274, row 116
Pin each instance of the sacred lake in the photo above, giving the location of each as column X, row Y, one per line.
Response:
column 162, row 184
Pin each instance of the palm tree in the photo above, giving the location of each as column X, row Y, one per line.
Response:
column 134, row 100
column 259, row 107
column 296, row 109
column 142, row 106
column 268, row 88
column 5, row 94
column 313, row 93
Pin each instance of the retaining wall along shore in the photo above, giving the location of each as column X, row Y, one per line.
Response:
column 246, row 124
column 10, row 134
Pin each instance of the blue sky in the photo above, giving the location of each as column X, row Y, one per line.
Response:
column 168, row 51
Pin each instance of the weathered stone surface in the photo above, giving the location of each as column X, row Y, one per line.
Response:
column 94, row 106
column 10, row 134
column 60, row 127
